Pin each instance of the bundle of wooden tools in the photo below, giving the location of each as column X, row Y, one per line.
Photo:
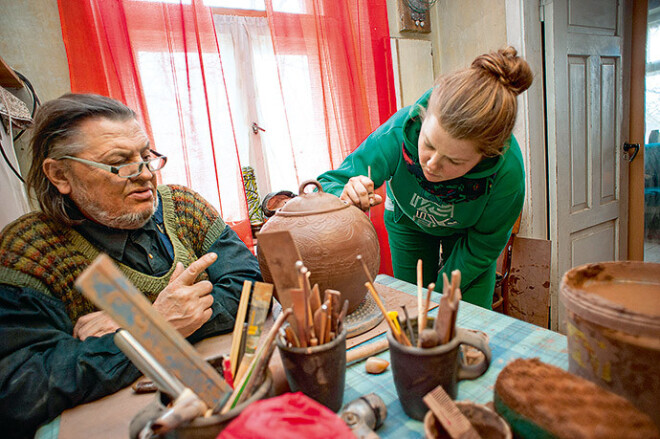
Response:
column 165, row 356
column 444, row 326
column 314, row 322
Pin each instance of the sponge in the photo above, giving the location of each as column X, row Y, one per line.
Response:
column 542, row 401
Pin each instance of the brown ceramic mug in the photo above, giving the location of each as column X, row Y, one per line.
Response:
column 417, row 371
column 319, row 372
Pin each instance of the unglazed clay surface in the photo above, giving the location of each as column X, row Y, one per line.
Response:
column 329, row 235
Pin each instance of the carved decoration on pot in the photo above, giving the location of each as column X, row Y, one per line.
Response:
column 329, row 234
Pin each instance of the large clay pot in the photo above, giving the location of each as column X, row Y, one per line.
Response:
column 329, row 234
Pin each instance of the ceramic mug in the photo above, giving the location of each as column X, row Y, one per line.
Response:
column 319, row 372
column 417, row 371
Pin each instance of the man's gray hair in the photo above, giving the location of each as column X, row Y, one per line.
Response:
column 55, row 134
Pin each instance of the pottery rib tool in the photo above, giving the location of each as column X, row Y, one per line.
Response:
column 281, row 254
column 259, row 306
column 451, row 418
column 107, row 287
column 315, row 298
column 237, row 338
column 335, row 301
column 420, row 294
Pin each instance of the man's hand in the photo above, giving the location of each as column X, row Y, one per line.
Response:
column 360, row 191
column 94, row 324
column 184, row 303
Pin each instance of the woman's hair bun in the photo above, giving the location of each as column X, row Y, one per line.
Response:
column 508, row 68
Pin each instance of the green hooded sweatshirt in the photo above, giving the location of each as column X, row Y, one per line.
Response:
column 478, row 209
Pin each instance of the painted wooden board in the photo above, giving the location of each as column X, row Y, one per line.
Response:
column 107, row 287
column 527, row 294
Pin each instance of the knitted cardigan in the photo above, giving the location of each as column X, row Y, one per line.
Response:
column 37, row 252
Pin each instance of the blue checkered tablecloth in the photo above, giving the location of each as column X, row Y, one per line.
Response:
column 509, row 339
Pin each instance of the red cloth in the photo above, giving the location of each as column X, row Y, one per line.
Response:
column 292, row 415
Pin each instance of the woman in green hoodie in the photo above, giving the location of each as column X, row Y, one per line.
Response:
column 454, row 174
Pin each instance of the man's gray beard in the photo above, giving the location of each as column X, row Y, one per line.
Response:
column 128, row 221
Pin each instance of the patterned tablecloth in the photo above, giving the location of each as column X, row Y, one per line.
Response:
column 509, row 339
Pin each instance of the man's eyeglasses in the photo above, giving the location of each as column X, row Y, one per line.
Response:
column 129, row 170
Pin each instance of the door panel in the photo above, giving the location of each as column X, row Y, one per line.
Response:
column 585, row 123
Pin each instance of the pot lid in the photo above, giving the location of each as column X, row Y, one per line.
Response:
column 310, row 203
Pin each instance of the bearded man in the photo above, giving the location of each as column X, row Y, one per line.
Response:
column 93, row 173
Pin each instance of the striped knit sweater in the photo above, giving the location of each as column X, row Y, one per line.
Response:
column 39, row 253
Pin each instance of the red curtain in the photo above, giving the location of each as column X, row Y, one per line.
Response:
column 345, row 44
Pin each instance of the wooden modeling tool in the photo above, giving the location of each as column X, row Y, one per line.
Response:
column 366, row 350
column 411, row 333
column 371, row 194
column 281, row 254
column 237, row 338
column 445, row 321
column 299, row 307
column 244, row 387
column 335, row 308
column 303, row 280
column 259, row 306
column 451, row 418
column 342, row 316
column 427, row 303
column 420, row 299
column 315, row 298
column 400, row 336
column 107, row 287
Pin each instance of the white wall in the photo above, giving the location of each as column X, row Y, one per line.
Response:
column 12, row 195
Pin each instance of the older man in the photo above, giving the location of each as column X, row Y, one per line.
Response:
column 94, row 175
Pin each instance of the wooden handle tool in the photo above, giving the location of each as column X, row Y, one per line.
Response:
column 366, row 350
column 107, row 287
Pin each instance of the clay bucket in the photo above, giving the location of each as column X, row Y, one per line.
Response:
column 613, row 329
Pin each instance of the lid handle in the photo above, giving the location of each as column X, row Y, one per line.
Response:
column 306, row 183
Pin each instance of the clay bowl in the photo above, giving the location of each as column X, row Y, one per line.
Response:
column 488, row 424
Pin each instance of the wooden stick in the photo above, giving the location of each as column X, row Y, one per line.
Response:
column 258, row 362
column 365, row 268
column 411, row 333
column 420, row 298
column 366, row 350
column 315, row 299
column 258, row 311
column 427, row 304
column 397, row 334
column 237, row 337
column 300, row 315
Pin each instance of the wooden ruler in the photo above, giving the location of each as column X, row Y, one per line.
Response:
column 105, row 285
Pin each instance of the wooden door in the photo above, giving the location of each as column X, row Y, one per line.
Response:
column 587, row 171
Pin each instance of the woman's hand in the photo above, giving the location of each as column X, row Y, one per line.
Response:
column 360, row 191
